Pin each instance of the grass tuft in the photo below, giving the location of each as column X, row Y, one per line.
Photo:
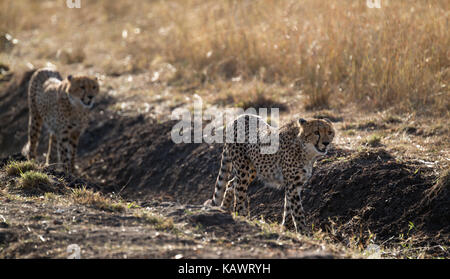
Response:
column 15, row 168
column 373, row 140
column 96, row 200
column 34, row 181
column 159, row 222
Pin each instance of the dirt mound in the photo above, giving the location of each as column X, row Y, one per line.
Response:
column 136, row 156
column 434, row 209
column 352, row 192
column 373, row 191
column 14, row 114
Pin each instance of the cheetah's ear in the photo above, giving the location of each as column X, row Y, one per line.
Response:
column 69, row 77
column 328, row 120
column 302, row 121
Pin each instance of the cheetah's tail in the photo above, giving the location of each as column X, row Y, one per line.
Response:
column 222, row 178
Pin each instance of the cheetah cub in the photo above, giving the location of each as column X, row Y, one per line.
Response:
column 63, row 105
column 301, row 143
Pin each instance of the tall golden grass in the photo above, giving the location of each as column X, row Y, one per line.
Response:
column 333, row 51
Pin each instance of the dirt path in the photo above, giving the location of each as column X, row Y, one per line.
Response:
column 46, row 226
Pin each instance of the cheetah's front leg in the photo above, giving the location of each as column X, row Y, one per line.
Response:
column 295, row 205
column 295, row 176
column 73, row 142
column 52, row 142
column 287, row 216
column 63, row 152
column 67, row 147
column 240, row 196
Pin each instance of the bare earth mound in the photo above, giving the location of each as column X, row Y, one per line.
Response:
column 350, row 193
column 371, row 190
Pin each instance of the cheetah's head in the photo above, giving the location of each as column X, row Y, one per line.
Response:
column 317, row 134
column 83, row 89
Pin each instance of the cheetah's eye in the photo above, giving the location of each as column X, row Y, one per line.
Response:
column 82, row 87
column 317, row 133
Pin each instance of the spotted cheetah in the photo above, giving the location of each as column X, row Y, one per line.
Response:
column 63, row 106
column 301, row 142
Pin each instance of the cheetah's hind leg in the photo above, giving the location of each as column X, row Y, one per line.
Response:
column 244, row 175
column 228, row 197
column 222, row 178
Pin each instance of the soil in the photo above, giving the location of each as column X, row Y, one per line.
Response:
column 367, row 193
column 39, row 229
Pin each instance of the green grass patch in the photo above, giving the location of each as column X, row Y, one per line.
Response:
column 34, row 181
column 15, row 168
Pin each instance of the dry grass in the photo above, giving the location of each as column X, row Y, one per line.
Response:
column 333, row 52
column 159, row 222
column 96, row 200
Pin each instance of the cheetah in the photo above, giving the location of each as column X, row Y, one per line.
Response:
column 301, row 143
column 63, row 106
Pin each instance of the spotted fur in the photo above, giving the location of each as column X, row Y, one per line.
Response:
column 301, row 142
column 63, row 107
